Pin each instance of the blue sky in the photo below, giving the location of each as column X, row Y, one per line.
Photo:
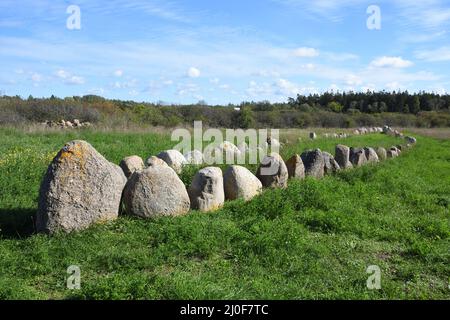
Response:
column 222, row 51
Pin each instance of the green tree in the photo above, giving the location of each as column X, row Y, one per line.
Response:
column 335, row 106
column 416, row 105
column 246, row 119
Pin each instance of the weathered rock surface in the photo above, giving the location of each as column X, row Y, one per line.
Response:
column 330, row 164
column 156, row 191
column 239, row 182
column 131, row 164
column 273, row 172
column 206, row 191
column 80, row 188
column 357, row 157
column 314, row 163
column 155, row 161
column 174, row 159
column 342, row 156
column 295, row 167
column 371, row 155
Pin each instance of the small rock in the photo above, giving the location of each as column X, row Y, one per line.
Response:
column 357, row 157
column 155, row 191
column 381, row 153
column 155, row 161
column 295, row 167
column 174, row 159
column 206, row 191
column 330, row 164
column 342, row 156
column 314, row 163
column 131, row 164
column 239, row 182
column 273, row 172
column 371, row 155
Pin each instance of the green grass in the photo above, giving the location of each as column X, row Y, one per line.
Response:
column 313, row 240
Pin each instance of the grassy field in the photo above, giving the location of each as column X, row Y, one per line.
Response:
column 313, row 240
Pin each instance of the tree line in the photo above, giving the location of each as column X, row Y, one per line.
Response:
column 343, row 110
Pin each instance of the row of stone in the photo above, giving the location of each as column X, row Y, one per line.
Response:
column 66, row 124
column 81, row 187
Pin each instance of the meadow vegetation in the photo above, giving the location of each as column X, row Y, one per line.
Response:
column 313, row 240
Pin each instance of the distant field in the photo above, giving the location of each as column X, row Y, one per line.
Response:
column 313, row 240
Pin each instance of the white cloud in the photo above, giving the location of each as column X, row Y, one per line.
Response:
column 193, row 72
column 69, row 78
column 214, row 80
column 305, row 52
column 441, row 54
column 36, row 77
column 118, row 73
column 390, row 62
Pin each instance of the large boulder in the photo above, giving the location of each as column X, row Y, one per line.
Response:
column 357, row 157
column 131, row 164
column 342, row 156
column 330, row 164
column 174, row 159
column 273, row 172
column 80, row 188
column 371, row 155
column 381, row 153
column 239, row 182
column 206, row 190
column 194, row 157
column 295, row 167
column 156, row 191
column 314, row 163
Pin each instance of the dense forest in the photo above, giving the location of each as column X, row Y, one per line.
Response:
column 344, row 110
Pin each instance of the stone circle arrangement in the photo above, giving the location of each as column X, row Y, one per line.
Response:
column 82, row 188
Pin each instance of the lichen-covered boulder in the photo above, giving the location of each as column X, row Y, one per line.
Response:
column 194, row 157
column 382, row 153
column 273, row 172
column 295, row 167
column 239, row 182
column 79, row 189
column 342, row 156
column 174, row 159
column 357, row 157
column 206, row 190
column 131, row 164
column 314, row 163
column 155, row 191
column 371, row 155
column 330, row 164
